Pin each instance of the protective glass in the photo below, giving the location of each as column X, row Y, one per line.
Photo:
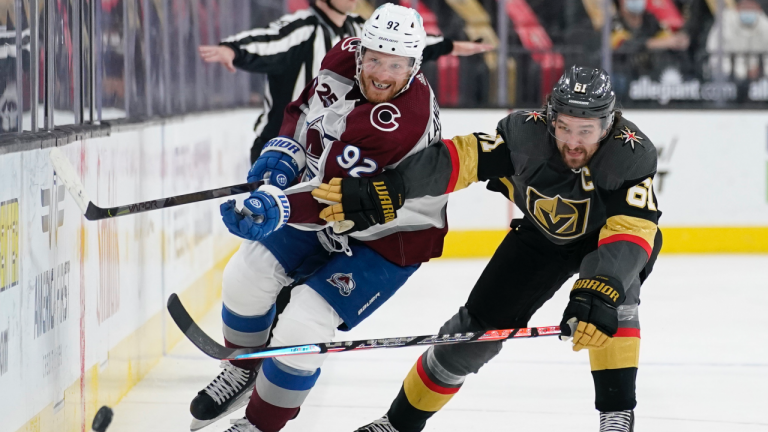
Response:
column 397, row 67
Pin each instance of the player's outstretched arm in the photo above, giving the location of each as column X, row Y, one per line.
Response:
column 445, row 167
column 266, row 50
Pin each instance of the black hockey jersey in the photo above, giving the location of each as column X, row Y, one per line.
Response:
column 613, row 193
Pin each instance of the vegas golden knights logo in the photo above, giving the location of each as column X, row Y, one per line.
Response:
column 560, row 217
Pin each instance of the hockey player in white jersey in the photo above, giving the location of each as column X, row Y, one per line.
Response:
column 368, row 109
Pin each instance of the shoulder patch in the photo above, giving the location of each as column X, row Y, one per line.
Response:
column 628, row 154
column 350, row 44
column 535, row 116
column 629, row 137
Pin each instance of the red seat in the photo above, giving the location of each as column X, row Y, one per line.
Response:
column 535, row 39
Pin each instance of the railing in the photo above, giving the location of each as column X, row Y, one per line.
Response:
column 66, row 62
column 657, row 79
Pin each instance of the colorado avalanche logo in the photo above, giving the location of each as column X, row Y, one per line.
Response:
column 350, row 44
column 344, row 282
column 383, row 117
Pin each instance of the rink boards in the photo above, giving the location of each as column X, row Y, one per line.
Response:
column 81, row 302
column 711, row 184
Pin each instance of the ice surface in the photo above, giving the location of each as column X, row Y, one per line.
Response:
column 703, row 364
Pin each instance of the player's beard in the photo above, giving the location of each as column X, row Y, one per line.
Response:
column 574, row 161
column 377, row 96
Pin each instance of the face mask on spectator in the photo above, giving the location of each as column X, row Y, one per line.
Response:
column 635, row 6
column 748, row 17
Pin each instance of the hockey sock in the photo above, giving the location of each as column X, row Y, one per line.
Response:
column 246, row 332
column 426, row 389
column 280, row 390
column 614, row 370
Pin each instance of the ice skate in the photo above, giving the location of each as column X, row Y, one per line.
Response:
column 617, row 421
column 227, row 392
column 242, row 425
column 378, row 425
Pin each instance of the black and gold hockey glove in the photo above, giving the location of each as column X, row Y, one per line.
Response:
column 591, row 316
column 358, row 203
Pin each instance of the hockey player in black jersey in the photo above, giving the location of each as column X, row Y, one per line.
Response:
column 583, row 177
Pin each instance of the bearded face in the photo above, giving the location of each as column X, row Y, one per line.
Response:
column 384, row 75
column 577, row 139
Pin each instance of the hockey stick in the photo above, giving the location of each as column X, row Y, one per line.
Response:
column 66, row 173
column 214, row 349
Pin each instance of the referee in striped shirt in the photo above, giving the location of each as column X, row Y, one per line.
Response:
column 291, row 49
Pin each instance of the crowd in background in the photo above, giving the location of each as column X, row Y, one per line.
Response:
column 663, row 53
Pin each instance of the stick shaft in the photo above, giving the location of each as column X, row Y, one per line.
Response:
column 399, row 342
column 95, row 213
column 91, row 211
column 214, row 349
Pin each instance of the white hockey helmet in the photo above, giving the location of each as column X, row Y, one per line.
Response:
column 396, row 30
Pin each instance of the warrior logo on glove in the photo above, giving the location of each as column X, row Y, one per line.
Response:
column 386, row 202
column 597, row 285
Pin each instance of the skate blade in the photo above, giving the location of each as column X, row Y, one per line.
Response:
column 238, row 403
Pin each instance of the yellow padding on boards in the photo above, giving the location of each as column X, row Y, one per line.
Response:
column 129, row 360
column 420, row 396
column 483, row 243
column 623, row 352
column 472, row 244
column 714, row 239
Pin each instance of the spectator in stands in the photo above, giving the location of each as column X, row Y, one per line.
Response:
column 744, row 39
column 698, row 21
column 635, row 30
column 641, row 45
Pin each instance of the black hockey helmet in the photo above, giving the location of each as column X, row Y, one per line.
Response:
column 582, row 92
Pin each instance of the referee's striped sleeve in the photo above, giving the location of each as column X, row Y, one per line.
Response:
column 269, row 50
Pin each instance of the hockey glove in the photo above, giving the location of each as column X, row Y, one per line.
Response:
column 280, row 162
column 591, row 316
column 264, row 212
column 357, row 203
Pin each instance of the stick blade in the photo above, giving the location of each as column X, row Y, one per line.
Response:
column 193, row 332
column 67, row 174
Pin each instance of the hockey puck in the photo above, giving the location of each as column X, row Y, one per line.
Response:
column 102, row 419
